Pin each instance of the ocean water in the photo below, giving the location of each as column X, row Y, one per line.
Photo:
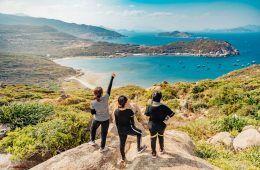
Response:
column 148, row 70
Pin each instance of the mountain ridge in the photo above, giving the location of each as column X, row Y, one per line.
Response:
column 79, row 30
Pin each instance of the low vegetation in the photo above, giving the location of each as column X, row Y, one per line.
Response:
column 46, row 120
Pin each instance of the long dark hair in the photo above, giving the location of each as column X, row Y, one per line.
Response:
column 98, row 92
column 122, row 100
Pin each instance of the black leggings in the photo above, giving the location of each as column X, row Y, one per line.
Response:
column 154, row 134
column 104, row 128
column 123, row 136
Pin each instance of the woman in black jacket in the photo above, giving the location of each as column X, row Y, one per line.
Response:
column 124, row 119
column 158, row 113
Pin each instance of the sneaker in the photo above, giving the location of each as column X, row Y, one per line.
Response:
column 101, row 150
column 142, row 149
column 154, row 155
column 92, row 143
column 162, row 152
column 122, row 161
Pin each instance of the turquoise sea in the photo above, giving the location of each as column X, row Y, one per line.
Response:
column 148, row 70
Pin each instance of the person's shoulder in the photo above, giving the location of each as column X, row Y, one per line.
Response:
column 106, row 96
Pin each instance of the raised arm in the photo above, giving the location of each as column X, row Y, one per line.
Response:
column 110, row 84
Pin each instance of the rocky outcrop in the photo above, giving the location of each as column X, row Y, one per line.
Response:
column 247, row 138
column 221, row 138
column 4, row 128
column 179, row 155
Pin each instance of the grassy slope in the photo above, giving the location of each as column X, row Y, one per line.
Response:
column 211, row 102
column 25, row 69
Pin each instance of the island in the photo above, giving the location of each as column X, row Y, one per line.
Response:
column 48, row 41
column 175, row 34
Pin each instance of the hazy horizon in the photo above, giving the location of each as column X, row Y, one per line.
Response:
column 141, row 15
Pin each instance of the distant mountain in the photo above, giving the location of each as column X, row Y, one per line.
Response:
column 244, row 29
column 175, row 34
column 78, row 30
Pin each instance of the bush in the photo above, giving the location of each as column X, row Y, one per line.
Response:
column 200, row 129
column 197, row 106
column 205, row 151
column 173, row 103
column 65, row 131
column 230, row 123
column 23, row 114
column 197, row 89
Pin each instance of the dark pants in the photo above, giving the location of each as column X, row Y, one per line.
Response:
column 123, row 136
column 157, row 131
column 104, row 128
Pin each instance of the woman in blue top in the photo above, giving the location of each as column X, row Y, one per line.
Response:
column 99, row 110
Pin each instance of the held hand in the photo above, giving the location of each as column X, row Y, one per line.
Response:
column 113, row 75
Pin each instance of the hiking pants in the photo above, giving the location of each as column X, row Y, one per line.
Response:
column 104, row 129
column 123, row 136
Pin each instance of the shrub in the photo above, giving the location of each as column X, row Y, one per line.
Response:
column 65, row 131
column 205, row 151
column 197, row 106
column 197, row 89
column 200, row 129
column 173, row 103
column 23, row 114
column 233, row 122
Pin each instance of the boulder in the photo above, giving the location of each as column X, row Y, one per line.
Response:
column 248, row 127
column 4, row 128
column 247, row 138
column 184, row 104
column 221, row 138
column 7, row 164
column 179, row 155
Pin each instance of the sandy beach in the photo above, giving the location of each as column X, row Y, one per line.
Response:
column 87, row 79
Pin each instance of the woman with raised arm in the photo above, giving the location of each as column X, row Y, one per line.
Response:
column 100, row 111
column 124, row 119
column 158, row 113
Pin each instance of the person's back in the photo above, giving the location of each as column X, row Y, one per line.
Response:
column 158, row 114
column 123, row 119
column 101, row 108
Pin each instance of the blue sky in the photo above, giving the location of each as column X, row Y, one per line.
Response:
column 148, row 15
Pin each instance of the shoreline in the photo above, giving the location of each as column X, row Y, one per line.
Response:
column 146, row 54
column 87, row 79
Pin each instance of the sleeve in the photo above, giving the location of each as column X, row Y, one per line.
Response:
column 92, row 110
column 147, row 111
column 110, row 86
column 169, row 112
column 132, row 121
column 116, row 117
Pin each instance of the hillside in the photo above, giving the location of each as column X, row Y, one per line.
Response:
column 44, row 40
column 59, row 120
column 21, row 69
column 78, row 30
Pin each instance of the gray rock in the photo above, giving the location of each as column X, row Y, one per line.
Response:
column 247, row 138
column 4, row 128
column 7, row 164
column 221, row 138
column 179, row 155
column 184, row 104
